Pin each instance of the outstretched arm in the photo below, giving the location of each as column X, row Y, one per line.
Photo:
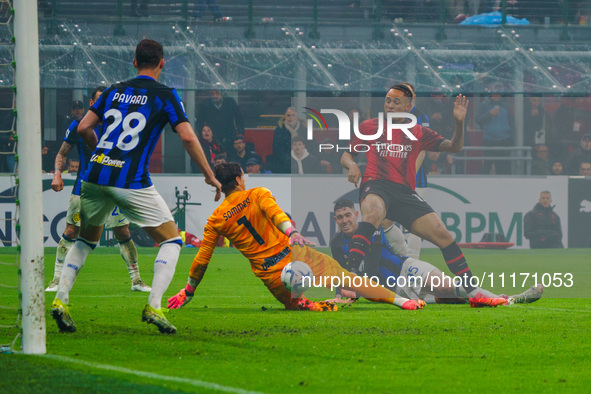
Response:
column 198, row 268
column 57, row 183
column 354, row 171
column 457, row 140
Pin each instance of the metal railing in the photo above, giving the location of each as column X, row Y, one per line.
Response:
column 519, row 156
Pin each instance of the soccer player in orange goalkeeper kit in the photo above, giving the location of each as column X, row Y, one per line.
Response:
column 263, row 233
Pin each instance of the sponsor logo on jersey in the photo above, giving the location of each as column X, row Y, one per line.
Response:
column 107, row 161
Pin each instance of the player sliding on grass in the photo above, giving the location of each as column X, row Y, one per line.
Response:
column 407, row 276
column 387, row 186
column 262, row 232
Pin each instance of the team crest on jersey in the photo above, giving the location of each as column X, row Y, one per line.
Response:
column 76, row 217
column 107, row 161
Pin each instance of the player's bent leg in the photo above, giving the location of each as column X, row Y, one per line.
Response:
column 373, row 212
column 328, row 271
column 64, row 245
column 68, row 238
column 291, row 301
column 164, row 267
column 431, row 228
column 129, row 254
column 395, row 237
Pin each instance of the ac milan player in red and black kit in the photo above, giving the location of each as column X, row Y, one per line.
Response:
column 387, row 188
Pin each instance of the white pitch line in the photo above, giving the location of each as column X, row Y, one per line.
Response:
column 193, row 382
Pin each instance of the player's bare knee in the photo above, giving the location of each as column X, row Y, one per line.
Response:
column 122, row 233
column 71, row 231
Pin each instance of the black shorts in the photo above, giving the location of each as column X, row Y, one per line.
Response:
column 403, row 205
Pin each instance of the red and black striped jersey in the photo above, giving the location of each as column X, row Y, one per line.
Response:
column 394, row 160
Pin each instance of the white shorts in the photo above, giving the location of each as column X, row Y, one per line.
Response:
column 416, row 272
column 144, row 207
column 115, row 219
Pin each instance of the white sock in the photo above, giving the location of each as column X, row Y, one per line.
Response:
column 73, row 263
column 62, row 250
column 414, row 246
column 399, row 300
column 129, row 253
column 396, row 240
column 163, row 271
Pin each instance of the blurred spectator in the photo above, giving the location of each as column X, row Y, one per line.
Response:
column 7, row 147
column 254, row 166
column 585, row 168
column 571, row 121
column 76, row 113
column 288, row 127
column 220, row 158
column 142, row 11
column 223, row 116
column 533, row 122
column 330, row 159
column 581, row 154
column 436, row 163
column 542, row 226
column 240, row 154
column 302, row 162
column 557, row 168
column 540, row 163
column 211, row 5
column 512, row 7
column 495, row 119
column 211, row 147
column 438, row 110
column 72, row 166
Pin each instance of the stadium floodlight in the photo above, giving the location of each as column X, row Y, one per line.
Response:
column 28, row 104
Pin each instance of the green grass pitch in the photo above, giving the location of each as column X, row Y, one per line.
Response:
column 234, row 336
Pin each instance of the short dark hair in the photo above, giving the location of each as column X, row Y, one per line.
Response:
column 402, row 88
column 411, row 86
column 148, row 54
column 297, row 138
column 226, row 174
column 100, row 88
column 343, row 203
column 238, row 137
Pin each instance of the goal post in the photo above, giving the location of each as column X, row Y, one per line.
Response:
column 28, row 107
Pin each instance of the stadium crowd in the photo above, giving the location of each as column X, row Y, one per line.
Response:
column 557, row 129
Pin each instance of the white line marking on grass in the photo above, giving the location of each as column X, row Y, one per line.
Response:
column 193, row 382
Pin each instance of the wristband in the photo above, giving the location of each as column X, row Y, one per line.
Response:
column 189, row 290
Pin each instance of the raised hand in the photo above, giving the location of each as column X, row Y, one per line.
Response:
column 460, row 108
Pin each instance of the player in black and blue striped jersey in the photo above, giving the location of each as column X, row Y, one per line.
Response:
column 133, row 114
column 115, row 221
